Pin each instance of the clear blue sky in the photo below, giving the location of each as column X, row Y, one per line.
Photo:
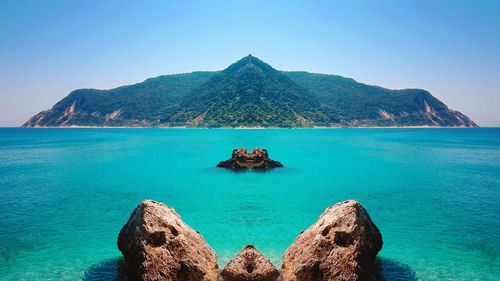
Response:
column 48, row 48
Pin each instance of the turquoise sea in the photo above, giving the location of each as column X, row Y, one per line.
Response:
column 433, row 193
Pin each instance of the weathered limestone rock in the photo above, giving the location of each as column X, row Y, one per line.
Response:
column 158, row 245
column 341, row 245
column 242, row 159
column 250, row 265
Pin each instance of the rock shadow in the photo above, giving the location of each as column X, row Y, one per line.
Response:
column 116, row 270
column 112, row 269
column 391, row 270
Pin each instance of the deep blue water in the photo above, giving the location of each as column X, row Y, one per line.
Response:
column 65, row 194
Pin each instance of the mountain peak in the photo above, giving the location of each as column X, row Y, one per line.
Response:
column 249, row 58
column 249, row 62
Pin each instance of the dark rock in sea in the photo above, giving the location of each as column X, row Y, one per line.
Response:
column 158, row 245
column 341, row 245
column 242, row 159
column 250, row 265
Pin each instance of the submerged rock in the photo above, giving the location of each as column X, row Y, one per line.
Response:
column 341, row 245
column 250, row 265
column 242, row 159
column 158, row 245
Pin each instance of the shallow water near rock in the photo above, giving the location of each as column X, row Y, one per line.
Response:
column 433, row 193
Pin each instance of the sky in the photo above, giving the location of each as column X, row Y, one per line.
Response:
column 49, row 48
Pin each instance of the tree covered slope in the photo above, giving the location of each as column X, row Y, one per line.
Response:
column 249, row 93
column 141, row 104
column 359, row 104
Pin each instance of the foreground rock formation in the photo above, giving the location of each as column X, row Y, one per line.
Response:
column 250, row 265
column 341, row 245
column 158, row 245
column 242, row 159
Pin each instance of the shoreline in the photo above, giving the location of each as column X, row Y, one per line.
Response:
column 249, row 128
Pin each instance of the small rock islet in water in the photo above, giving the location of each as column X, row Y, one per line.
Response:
column 242, row 159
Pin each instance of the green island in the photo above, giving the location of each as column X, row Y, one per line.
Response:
column 250, row 93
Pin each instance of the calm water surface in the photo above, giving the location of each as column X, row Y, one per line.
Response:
column 65, row 194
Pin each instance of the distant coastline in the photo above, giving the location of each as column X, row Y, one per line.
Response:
column 246, row 128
